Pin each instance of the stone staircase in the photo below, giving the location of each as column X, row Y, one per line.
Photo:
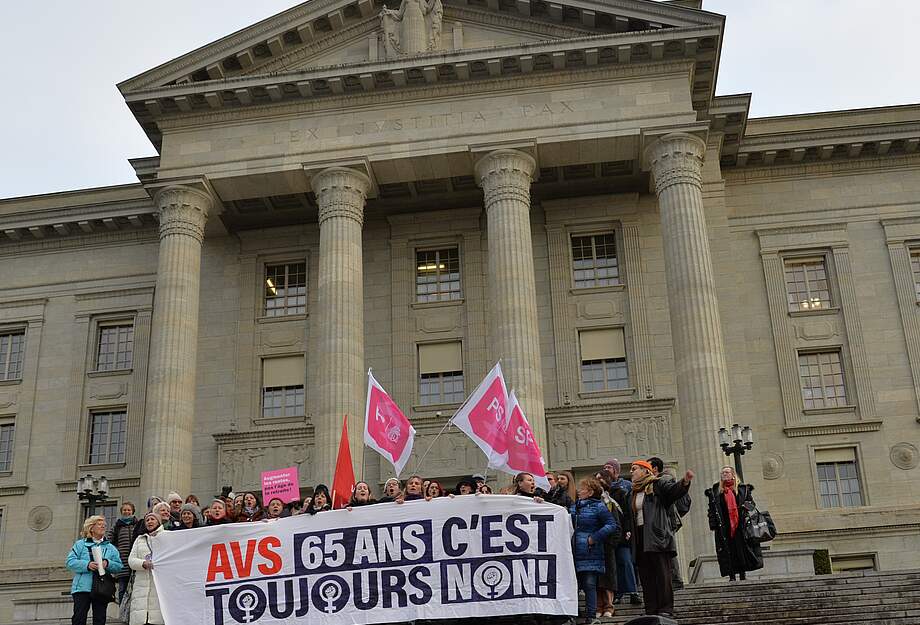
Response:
column 864, row 598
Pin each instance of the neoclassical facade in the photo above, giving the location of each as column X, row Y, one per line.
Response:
column 425, row 189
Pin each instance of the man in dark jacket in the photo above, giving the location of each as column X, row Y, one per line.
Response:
column 679, row 510
column 653, row 535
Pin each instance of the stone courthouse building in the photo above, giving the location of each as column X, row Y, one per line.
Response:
column 427, row 188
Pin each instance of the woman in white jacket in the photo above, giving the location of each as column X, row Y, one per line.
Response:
column 145, row 607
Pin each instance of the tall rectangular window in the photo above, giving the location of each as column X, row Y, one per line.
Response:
column 437, row 275
column 838, row 478
column 107, row 509
column 440, row 373
column 7, row 435
column 915, row 267
column 285, row 289
column 594, row 260
column 108, row 435
column 115, row 350
column 12, row 352
column 822, row 380
column 283, row 387
column 807, row 284
column 603, row 360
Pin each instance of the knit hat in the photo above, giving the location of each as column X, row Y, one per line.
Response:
column 392, row 479
column 171, row 497
column 644, row 464
column 613, row 462
column 152, row 501
column 194, row 510
column 154, row 515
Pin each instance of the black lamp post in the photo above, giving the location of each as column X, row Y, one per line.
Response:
column 92, row 491
column 742, row 439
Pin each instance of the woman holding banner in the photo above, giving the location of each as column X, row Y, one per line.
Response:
column 145, row 606
column 360, row 496
column 320, row 502
column 593, row 524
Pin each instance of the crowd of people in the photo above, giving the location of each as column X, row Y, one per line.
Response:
column 624, row 529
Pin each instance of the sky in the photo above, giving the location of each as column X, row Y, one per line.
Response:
column 64, row 125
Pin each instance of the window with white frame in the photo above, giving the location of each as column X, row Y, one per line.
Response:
column 822, row 379
column 437, row 275
column 7, row 436
column 807, row 285
column 283, row 380
column 838, row 478
column 285, row 289
column 440, row 367
column 115, row 347
column 12, row 353
column 594, row 260
column 603, row 360
column 108, row 436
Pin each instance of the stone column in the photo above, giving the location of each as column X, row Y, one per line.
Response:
column 702, row 383
column 505, row 177
column 341, row 381
column 170, row 415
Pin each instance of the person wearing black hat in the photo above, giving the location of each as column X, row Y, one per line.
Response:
column 466, row 486
column 321, row 500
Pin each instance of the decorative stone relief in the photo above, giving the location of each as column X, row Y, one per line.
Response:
column 40, row 518
column 816, row 331
column 108, row 390
column 453, row 453
column 631, row 437
column 442, row 320
column 412, row 29
column 773, row 466
column 242, row 468
column 905, row 456
column 7, row 399
column 281, row 338
column 598, row 310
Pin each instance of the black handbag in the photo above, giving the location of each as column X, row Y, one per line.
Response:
column 758, row 526
column 103, row 587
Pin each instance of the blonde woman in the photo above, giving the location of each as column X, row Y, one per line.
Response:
column 145, row 605
column 726, row 519
column 80, row 562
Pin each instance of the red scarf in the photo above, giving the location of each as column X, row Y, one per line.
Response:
column 732, row 504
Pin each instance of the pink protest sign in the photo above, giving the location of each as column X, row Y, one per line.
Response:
column 281, row 483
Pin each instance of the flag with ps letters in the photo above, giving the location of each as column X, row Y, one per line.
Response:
column 484, row 417
column 386, row 429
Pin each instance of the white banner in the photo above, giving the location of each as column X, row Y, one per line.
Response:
column 470, row 556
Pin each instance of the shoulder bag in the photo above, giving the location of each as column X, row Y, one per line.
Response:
column 758, row 524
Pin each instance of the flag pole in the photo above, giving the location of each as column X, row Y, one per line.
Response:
column 422, row 457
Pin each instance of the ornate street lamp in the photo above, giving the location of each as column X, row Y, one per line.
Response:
column 735, row 443
column 92, row 491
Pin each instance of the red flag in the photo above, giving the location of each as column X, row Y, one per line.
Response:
column 523, row 452
column 484, row 417
column 386, row 429
column 344, row 481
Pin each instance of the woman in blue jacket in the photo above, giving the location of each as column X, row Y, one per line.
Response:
column 80, row 562
column 593, row 524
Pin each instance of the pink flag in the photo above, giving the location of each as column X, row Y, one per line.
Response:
column 523, row 452
column 386, row 429
column 484, row 417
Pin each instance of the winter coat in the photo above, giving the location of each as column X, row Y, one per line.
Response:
column 735, row 554
column 657, row 529
column 78, row 563
column 591, row 518
column 248, row 517
column 122, row 536
column 145, row 606
column 560, row 497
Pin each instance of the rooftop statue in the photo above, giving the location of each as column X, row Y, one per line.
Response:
column 413, row 29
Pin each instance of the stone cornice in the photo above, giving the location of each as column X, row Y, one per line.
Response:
column 610, row 410
column 834, row 428
column 84, row 241
column 282, row 436
column 446, row 90
column 740, row 175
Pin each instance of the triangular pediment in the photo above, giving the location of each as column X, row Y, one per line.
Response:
column 327, row 32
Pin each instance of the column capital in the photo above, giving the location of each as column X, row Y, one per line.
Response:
column 183, row 210
column 676, row 158
column 341, row 192
column 502, row 163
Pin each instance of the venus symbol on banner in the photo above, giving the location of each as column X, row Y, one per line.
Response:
column 386, row 429
column 524, row 455
column 484, row 417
